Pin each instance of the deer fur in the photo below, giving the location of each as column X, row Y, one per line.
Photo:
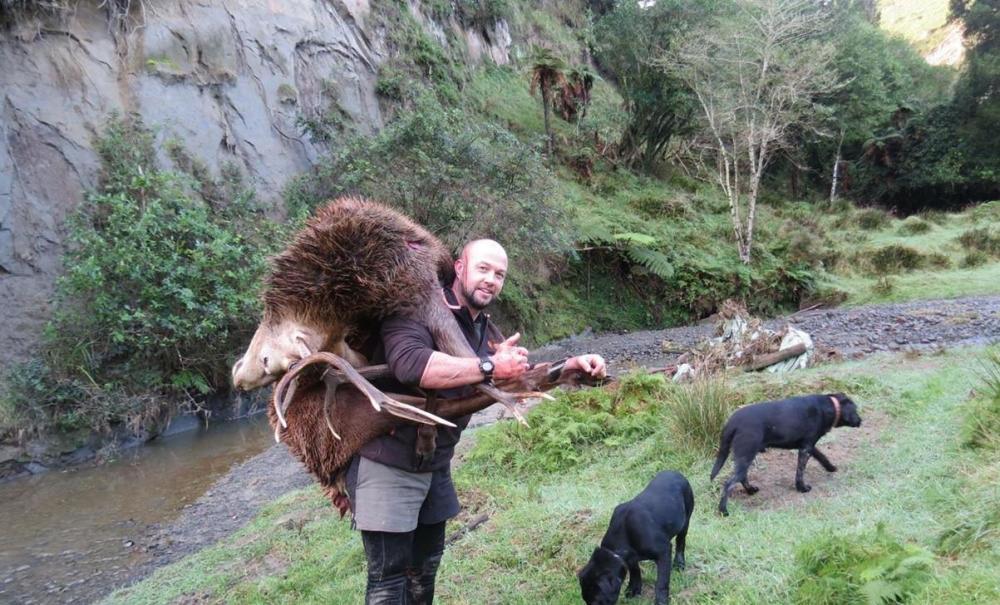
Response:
column 355, row 262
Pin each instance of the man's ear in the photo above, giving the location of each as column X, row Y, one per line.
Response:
column 459, row 267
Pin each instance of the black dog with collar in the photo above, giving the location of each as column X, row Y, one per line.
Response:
column 795, row 423
column 640, row 530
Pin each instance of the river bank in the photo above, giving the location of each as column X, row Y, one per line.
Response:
column 230, row 501
column 850, row 332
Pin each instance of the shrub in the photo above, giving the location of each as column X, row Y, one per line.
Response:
column 453, row 174
column 698, row 410
column 914, row 226
column 981, row 239
column 482, row 14
column 871, row 219
column 158, row 295
column 896, row 258
column 871, row 568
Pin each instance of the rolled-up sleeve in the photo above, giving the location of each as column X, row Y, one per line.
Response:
column 408, row 347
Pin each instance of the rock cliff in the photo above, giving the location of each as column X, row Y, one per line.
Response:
column 230, row 79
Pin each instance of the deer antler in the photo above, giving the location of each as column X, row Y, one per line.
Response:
column 345, row 373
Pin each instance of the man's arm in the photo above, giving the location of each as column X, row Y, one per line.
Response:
column 411, row 356
column 444, row 371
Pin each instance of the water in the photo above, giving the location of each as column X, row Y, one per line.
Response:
column 67, row 536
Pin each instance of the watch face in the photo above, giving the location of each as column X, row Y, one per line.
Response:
column 486, row 366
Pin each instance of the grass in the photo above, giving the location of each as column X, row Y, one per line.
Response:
column 920, row 22
column 940, row 264
column 914, row 478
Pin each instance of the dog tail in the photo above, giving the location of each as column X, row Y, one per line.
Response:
column 725, row 442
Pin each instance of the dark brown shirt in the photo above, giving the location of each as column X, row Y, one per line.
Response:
column 406, row 346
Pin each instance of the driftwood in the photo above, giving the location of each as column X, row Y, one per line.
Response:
column 762, row 361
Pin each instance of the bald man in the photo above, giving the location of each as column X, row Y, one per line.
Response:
column 401, row 502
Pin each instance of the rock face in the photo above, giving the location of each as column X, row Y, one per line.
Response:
column 230, row 79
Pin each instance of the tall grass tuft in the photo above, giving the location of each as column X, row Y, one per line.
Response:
column 973, row 519
column 698, row 410
column 871, row 219
column 872, row 568
column 981, row 239
column 982, row 418
column 914, row 226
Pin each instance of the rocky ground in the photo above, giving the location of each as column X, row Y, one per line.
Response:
column 849, row 332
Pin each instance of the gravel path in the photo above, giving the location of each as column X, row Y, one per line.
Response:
column 853, row 332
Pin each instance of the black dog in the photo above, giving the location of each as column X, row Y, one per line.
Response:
column 796, row 423
column 640, row 530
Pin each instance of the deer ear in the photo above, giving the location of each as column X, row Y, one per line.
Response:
column 301, row 340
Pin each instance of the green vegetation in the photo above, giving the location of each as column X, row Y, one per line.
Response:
column 906, row 514
column 871, row 568
column 159, row 294
column 616, row 227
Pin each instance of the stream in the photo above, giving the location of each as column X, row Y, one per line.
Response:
column 69, row 534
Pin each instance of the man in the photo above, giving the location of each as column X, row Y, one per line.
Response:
column 401, row 503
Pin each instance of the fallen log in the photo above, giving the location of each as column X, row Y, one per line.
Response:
column 762, row 361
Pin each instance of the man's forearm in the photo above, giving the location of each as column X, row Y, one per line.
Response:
column 446, row 372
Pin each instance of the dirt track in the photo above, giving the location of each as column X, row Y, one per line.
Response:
column 853, row 332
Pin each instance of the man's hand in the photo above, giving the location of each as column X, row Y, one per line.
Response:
column 510, row 345
column 591, row 364
column 509, row 362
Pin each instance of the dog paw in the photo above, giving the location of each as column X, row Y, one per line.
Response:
column 751, row 490
column 831, row 469
column 633, row 592
column 803, row 488
column 679, row 564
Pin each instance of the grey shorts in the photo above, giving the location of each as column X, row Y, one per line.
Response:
column 385, row 498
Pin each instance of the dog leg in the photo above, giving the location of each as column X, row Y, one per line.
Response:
column 663, row 578
column 800, row 471
column 679, row 562
column 750, row 489
column 634, row 581
column 739, row 476
column 822, row 459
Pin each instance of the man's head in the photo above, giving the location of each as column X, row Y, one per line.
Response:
column 479, row 273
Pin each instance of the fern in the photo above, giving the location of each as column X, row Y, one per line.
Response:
column 654, row 261
column 872, row 569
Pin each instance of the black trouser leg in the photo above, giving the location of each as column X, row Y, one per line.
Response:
column 428, row 548
column 402, row 567
column 388, row 555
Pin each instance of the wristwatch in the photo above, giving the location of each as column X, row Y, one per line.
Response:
column 486, row 367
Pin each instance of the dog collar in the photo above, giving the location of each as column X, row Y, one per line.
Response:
column 836, row 411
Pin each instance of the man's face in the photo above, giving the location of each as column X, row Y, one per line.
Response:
column 481, row 272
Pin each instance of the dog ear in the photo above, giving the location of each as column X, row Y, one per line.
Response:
column 843, row 399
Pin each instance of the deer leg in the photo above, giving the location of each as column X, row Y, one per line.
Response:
column 427, row 434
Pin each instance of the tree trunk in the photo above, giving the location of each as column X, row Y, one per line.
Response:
column 836, row 170
column 546, row 108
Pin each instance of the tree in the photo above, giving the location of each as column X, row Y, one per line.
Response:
column 546, row 75
column 754, row 73
column 659, row 104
